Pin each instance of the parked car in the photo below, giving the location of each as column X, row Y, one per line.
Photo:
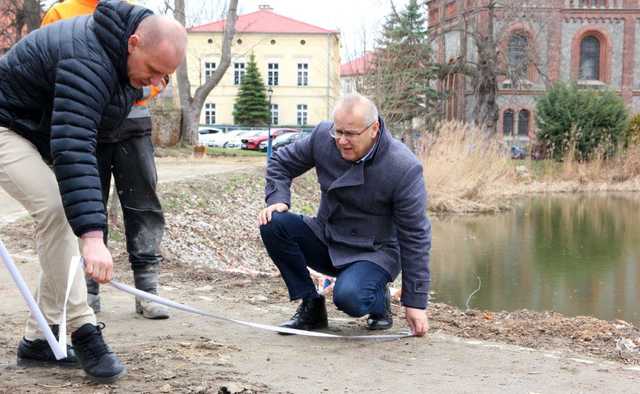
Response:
column 221, row 140
column 207, row 134
column 235, row 142
column 281, row 140
column 253, row 143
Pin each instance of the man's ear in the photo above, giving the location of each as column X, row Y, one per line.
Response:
column 133, row 42
column 376, row 127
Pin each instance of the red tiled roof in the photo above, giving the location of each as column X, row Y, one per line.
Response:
column 357, row 66
column 264, row 21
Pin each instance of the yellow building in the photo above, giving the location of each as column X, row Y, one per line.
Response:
column 301, row 63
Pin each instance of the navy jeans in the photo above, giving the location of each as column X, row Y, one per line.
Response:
column 360, row 286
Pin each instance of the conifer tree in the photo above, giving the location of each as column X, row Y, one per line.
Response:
column 251, row 107
column 400, row 80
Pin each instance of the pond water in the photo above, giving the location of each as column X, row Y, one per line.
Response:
column 573, row 254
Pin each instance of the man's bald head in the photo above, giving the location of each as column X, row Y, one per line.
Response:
column 156, row 30
column 156, row 49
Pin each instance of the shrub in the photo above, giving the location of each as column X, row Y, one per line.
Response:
column 584, row 121
column 632, row 135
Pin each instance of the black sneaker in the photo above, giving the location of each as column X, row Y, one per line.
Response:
column 311, row 315
column 38, row 353
column 96, row 358
column 385, row 320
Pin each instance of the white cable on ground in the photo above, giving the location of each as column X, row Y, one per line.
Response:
column 60, row 347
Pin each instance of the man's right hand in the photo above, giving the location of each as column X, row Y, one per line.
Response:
column 265, row 215
column 97, row 259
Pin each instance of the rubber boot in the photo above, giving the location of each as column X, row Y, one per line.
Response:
column 146, row 279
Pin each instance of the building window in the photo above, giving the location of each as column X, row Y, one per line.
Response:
column 238, row 73
column 507, row 123
column 209, row 68
column 275, row 112
column 451, row 9
column 303, row 74
column 434, row 15
column 210, row 113
column 517, row 54
column 302, row 114
column 590, row 58
column 523, row 123
column 452, row 87
column 272, row 73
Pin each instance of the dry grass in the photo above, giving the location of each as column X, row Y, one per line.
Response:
column 623, row 167
column 466, row 170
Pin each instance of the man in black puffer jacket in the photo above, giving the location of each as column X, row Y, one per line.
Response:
column 58, row 86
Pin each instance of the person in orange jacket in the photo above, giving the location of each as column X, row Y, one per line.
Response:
column 128, row 147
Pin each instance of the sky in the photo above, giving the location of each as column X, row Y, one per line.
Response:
column 359, row 21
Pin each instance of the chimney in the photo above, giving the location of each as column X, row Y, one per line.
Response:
column 265, row 7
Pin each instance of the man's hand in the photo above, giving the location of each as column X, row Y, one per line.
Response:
column 264, row 216
column 97, row 259
column 417, row 320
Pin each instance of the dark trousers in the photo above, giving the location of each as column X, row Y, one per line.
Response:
column 360, row 286
column 134, row 170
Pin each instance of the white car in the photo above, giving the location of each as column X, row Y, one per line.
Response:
column 221, row 139
column 206, row 135
column 235, row 142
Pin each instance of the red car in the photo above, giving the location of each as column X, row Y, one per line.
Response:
column 253, row 143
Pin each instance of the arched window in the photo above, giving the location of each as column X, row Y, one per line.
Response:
column 523, row 123
column 517, row 53
column 507, row 123
column 590, row 58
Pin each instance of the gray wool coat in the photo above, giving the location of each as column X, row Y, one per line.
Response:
column 374, row 210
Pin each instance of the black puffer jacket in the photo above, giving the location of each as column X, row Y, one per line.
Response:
column 62, row 83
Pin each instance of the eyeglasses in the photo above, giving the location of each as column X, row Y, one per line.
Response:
column 349, row 135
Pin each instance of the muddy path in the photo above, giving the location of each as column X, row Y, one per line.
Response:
column 192, row 354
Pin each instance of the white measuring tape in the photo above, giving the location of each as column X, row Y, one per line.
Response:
column 60, row 347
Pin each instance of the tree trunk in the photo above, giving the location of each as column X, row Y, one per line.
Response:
column 486, row 84
column 192, row 105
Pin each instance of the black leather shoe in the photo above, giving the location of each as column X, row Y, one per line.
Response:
column 311, row 315
column 384, row 321
column 38, row 353
column 96, row 358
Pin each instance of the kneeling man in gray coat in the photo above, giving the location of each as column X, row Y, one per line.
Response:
column 371, row 224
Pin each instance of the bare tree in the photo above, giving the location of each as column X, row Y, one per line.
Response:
column 492, row 64
column 191, row 105
column 17, row 18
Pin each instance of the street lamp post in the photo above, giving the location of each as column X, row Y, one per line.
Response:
column 269, row 95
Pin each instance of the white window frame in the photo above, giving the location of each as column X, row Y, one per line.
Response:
column 210, row 113
column 239, row 71
column 208, row 68
column 273, row 74
column 303, row 73
column 302, row 115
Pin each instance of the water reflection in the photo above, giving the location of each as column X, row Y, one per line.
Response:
column 578, row 255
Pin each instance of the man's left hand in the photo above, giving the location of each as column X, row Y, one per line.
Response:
column 417, row 320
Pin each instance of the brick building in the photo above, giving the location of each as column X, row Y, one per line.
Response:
column 593, row 42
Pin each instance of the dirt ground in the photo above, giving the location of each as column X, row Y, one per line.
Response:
column 214, row 262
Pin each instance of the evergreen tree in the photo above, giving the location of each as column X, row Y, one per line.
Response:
column 586, row 121
column 401, row 74
column 251, row 107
